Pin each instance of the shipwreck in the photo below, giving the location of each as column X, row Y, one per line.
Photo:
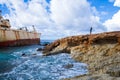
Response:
column 16, row 37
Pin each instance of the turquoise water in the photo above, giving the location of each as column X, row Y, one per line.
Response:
column 34, row 66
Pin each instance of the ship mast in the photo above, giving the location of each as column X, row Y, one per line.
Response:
column 34, row 28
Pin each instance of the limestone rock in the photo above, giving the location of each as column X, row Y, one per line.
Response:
column 65, row 44
column 100, row 51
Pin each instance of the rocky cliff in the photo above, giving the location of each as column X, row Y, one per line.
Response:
column 100, row 51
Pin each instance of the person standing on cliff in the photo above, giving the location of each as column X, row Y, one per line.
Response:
column 90, row 30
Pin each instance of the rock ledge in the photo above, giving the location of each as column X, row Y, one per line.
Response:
column 100, row 51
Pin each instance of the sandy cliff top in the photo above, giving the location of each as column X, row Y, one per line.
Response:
column 72, row 41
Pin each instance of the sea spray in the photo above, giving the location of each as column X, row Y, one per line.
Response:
column 38, row 67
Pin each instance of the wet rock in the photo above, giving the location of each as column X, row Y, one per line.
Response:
column 23, row 54
column 68, row 66
column 40, row 49
column 45, row 43
column 34, row 54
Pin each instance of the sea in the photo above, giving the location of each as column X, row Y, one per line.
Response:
column 34, row 66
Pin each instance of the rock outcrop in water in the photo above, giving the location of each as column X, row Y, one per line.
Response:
column 100, row 51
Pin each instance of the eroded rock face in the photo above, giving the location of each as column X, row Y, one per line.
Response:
column 100, row 58
column 100, row 51
column 66, row 44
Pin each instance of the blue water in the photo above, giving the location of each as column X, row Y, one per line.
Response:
column 34, row 66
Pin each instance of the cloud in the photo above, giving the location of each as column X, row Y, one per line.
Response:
column 111, row 0
column 104, row 13
column 76, row 15
column 117, row 3
column 30, row 13
column 114, row 23
column 56, row 19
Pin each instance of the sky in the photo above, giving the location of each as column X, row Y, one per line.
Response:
column 56, row 19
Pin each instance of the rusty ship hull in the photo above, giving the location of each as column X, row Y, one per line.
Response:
column 20, row 37
column 9, row 37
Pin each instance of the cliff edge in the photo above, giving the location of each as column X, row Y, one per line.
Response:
column 100, row 51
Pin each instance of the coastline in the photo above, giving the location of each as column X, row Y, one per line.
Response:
column 100, row 51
